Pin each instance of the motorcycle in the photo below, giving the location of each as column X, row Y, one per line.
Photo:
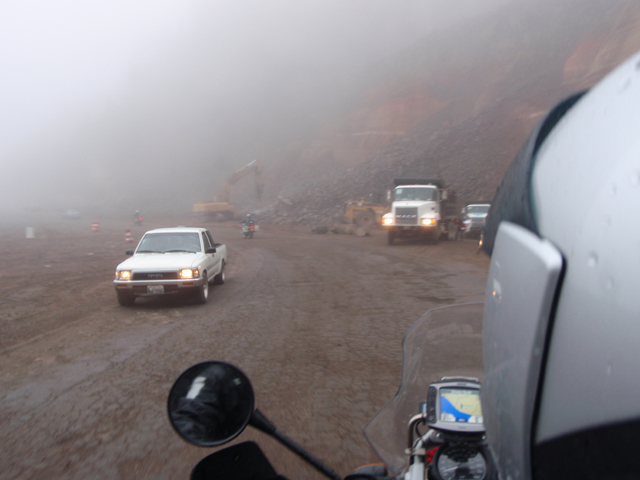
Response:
column 137, row 220
column 248, row 230
column 212, row 402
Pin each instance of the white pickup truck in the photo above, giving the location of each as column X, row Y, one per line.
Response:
column 169, row 261
column 475, row 216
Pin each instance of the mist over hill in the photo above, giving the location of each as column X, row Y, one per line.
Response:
column 333, row 116
column 229, row 82
column 457, row 104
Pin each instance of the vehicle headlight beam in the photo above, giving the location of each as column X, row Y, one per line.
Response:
column 123, row 275
column 189, row 273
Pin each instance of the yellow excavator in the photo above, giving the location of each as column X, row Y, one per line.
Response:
column 222, row 203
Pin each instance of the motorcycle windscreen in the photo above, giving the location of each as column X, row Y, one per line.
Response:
column 521, row 289
column 444, row 342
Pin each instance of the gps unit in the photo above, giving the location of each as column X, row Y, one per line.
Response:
column 453, row 405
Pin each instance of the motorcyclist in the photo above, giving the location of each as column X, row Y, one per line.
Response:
column 248, row 220
column 561, row 393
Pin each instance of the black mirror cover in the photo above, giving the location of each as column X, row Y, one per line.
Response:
column 211, row 250
column 129, row 252
column 244, row 461
column 211, row 403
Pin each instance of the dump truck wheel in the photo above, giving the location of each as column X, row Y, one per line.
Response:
column 451, row 231
column 435, row 236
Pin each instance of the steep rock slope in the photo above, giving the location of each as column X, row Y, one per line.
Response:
column 458, row 104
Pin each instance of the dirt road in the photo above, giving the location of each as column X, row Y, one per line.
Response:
column 315, row 321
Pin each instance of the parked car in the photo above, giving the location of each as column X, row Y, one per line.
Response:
column 171, row 261
column 475, row 216
column 71, row 214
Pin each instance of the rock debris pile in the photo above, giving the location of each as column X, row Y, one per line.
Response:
column 470, row 156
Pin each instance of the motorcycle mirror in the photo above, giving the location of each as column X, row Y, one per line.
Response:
column 211, row 403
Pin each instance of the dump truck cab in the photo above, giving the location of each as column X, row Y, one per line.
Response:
column 420, row 208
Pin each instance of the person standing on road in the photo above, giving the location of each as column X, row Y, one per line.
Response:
column 460, row 229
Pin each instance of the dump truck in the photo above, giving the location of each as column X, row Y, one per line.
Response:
column 422, row 208
column 222, row 202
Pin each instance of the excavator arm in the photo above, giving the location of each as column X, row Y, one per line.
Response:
column 222, row 203
column 254, row 166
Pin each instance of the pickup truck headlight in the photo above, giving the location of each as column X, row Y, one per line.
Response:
column 428, row 221
column 123, row 275
column 387, row 219
column 189, row 273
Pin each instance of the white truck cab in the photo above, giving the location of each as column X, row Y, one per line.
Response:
column 420, row 208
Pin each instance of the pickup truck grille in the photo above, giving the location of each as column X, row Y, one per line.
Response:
column 155, row 276
column 167, row 289
column 406, row 215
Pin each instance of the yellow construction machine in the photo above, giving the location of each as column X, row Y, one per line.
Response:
column 222, row 203
column 366, row 212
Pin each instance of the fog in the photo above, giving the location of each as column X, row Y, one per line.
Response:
column 132, row 105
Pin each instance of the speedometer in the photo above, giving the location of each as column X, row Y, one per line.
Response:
column 461, row 462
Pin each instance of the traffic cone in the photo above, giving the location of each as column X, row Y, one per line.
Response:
column 127, row 236
column 95, row 227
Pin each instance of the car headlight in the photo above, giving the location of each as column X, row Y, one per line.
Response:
column 123, row 275
column 428, row 221
column 189, row 273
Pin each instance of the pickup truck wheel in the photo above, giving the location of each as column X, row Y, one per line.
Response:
column 125, row 298
column 219, row 278
column 202, row 294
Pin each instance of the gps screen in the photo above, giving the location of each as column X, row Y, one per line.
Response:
column 460, row 405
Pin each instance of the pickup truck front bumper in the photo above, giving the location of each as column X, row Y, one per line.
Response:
column 149, row 288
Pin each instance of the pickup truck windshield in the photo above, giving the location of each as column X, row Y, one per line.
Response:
column 478, row 208
column 170, row 242
column 423, row 194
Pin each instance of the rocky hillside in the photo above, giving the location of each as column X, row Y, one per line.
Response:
column 458, row 104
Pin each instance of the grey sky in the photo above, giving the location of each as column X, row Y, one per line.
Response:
column 121, row 65
column 57, row 56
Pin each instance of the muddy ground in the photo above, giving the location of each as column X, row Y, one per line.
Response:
column 315, row 321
